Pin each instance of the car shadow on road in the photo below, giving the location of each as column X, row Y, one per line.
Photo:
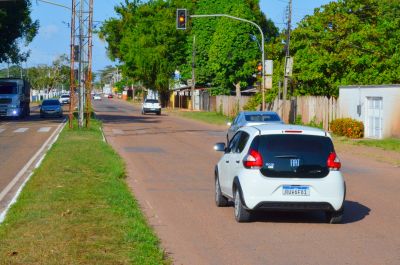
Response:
column 121, row 119
column 354, row 212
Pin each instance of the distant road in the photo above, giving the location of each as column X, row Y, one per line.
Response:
column 20, row 141
column 170, row 164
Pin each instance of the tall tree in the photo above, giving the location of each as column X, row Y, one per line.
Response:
column 15, row 24
column 347, row 42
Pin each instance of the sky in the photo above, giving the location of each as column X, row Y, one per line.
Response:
column 53, row 38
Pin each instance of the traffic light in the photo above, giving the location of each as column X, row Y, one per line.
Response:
column 259, row 68
column 181, row 16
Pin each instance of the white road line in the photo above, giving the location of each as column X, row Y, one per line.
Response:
column 27, row 165
column 44, row 129
column 117, row 131
column 2, row 130
column 21, row 130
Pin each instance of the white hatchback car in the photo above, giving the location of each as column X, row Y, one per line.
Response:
column 280, row 167
column 151, row 106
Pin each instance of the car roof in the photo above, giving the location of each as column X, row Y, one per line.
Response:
column 265, row 129
column 258, row 112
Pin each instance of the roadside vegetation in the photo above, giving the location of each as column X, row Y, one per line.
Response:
column 77, row 209
column 389, row 144
column 204, row 116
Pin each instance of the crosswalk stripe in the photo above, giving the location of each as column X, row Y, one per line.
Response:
column 21, row 130
column 44, row 129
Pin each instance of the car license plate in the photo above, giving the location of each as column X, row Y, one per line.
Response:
column 289, row 190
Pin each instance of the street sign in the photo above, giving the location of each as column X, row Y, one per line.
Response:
column 269, row 67
column 189, row 82
column 289, row 66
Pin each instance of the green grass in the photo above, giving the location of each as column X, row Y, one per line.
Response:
column 77, row 209
column 392, row 144
column 208, row 117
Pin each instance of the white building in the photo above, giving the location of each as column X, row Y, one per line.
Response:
column 378, row 107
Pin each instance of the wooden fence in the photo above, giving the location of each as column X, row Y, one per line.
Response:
column 310, row 108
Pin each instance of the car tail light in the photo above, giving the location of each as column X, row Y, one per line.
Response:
column 253, row 160
column 293, row 131
column 333, row 162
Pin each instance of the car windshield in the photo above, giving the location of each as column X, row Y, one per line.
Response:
column 50, row 102
column 8, row 88
column 288, row 155
column 151, row 101
column 261, row 117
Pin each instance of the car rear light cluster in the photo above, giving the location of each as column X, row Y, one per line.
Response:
column 253, row 160
column 333, row 162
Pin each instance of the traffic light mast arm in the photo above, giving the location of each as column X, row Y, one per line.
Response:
column 262, row 47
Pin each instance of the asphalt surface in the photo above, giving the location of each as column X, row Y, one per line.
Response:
column 20, row 141
column 170, row 165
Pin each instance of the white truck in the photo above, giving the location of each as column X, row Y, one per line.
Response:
column 14, row 97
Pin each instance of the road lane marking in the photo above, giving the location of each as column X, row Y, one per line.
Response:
column 44, row 129
column 117, row 131
column 21, row 130
column 10, row 185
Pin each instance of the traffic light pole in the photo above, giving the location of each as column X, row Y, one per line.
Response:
column 262, row 47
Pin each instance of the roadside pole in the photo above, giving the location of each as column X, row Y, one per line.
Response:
column 193, row 70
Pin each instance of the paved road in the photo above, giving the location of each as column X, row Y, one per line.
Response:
column 170, row 165
column 20, row 140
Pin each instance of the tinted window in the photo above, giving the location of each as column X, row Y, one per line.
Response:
column 151, row 101
column 244, row 137
column 300, row 156
column 262, row 117
column 233, row 143
column 50, row 102
column 65, row 96
column 8, row 88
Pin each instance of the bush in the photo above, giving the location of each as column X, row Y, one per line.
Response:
column 347, row 127
column 312, row 123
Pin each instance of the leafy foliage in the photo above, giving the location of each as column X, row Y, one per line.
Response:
column 15, row 24
column 145, row 40
column 347, row 127
column 347, row 42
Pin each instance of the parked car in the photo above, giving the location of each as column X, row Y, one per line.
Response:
column 280, row 167
column 51, row 107
column 64, row 99
column 248, row 118
column 96, row 97
column 151, row 106
column 110, row 96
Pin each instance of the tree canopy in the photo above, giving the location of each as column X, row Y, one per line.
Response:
column 145, row 40
column 15, row 24
column 347, row 42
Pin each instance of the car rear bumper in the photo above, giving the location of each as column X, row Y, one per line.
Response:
column 152, row 110
column 260, row 192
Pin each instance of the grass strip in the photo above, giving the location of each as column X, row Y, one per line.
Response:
column 390, row 144
column 208, row 117
column 77, row 209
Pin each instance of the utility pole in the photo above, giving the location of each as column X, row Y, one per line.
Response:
column 82, row 11
column 287, row 48
column 193, row 70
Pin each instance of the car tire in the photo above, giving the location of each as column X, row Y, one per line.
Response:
column 334, row 217
column 159, row 113
column 241, row 214
column 220, row 199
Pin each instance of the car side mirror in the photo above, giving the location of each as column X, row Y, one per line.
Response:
column 220, row 147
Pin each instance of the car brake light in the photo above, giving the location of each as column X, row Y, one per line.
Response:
column 333, row 162
column 253, row 160
column 293, row 131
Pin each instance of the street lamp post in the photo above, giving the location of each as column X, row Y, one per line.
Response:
column 262, row 47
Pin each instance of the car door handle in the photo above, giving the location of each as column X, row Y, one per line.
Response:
column 237, row 161
column 227, row 161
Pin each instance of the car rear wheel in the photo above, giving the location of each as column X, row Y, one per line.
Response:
column 241, row 214
column 334, row 217
column 220, row 200
column 159, row 113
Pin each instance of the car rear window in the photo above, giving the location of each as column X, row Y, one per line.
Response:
column 261, row 117
column 65, row 96
column 151, row 101
column 298, row 156
column 50, row 102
